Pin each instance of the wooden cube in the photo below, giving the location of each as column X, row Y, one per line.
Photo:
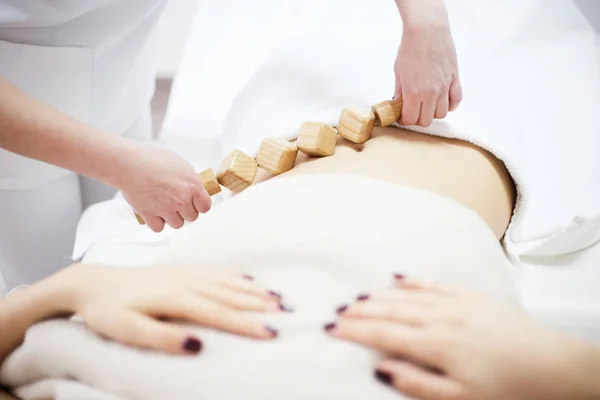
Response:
column 208, row 179
column 356, row 125
column 317, row 139
column 388, row 112
column 277, row 155
column 237, row 171
column 210, row 182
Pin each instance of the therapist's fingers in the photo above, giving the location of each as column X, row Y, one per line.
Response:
column 174, row 220
column 199, row 310
column 456, row 94
column 441, row 109
column 417, row 382
column 201, row 201
column 188, row 212
column 137, row 330
column 411, row 107
column 157, row 224
column 427, row 110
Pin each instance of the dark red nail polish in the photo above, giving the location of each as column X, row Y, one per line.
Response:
column 399, row 277
column 192, row 345
column 272, row 331
column 384, row 377
column 272, row 293
column 330, row 326
column 363, row 297
column 248, row 277
column 341, row 309
column 285, row 309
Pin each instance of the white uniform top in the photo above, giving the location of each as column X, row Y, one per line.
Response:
column 91, row 59
column 531, row 76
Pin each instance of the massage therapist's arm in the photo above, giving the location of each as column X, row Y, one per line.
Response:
column 158, row 184
column 426, row 65
column 124, row 304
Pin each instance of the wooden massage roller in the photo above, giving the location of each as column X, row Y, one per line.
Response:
column 238, row 170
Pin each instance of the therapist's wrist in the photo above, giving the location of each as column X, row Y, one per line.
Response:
column 116, row 161
column 419, row 15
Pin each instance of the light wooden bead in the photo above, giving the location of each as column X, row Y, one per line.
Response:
column 209, row 181
column 277, row 155
column 388, row 112
column 317, row 139
column 356, row 125
column 237, row 171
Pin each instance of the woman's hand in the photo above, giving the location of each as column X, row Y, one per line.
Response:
column 161, row 187
column 135, row 306
column 426, row 66
column 444, row 344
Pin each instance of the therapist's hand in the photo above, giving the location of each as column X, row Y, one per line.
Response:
column 448, row 345
column 134, row 306
column 162, row 187
column 426, row 66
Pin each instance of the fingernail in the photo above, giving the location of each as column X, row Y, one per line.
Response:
column 272, row 331
column 285, row 309
column 272, row 293
column 192, row 345
column 384, row 377
column 248, row 277
column 363, row 297
column 330, row 326
column 341, row 309
column 399, row 277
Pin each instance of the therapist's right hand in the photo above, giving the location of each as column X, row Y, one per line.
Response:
column 162, row 187
column 136, row 306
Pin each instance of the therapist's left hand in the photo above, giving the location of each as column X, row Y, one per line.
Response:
column 450, row 345
column 162, row 187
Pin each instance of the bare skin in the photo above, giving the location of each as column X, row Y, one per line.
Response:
column 447, row 344
column 159, row 185
column 135, row 306
column 452, row 168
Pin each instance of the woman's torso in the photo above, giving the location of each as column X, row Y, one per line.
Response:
column 451, row 168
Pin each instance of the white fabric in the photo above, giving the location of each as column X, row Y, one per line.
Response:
column 92, row 60
column 318, row 240
column 38, row 225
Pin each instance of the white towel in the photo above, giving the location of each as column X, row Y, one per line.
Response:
column 321, row 241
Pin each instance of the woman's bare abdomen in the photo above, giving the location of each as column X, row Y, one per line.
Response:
column 452, row 168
